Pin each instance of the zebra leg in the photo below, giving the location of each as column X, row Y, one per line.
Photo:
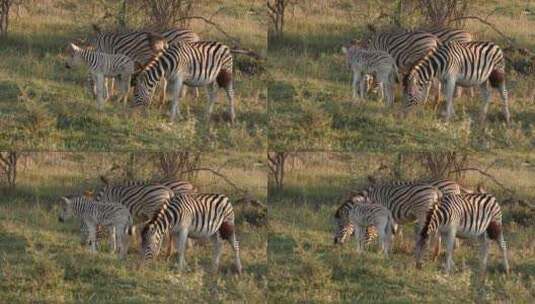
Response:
column 175, row 84
column 363, row 87
column 181, row 248
column 484, row 252
column 436, row 250
column 211, row 91
column 359, row 237
column 164, row 92
column 437, row 95
column 503, row 247
column 449, row 89
column 450, row 243
column 101, row 90
column 216, row 254
column 124, row 85
column 354, row 83
column 485, row 95
column 229, row 89
column 236, row 247
column 92, row 233
column 110, row 90
column 505, row 102
column 113, row 238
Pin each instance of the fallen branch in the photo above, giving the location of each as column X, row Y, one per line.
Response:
column 217, row 27
column 226, row 179
column 492, row 26
column 488, row 175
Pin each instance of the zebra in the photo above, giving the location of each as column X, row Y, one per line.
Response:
column 472, row 215
column 201, row 216
column 377, row 63
column 204, row 63
column 114, row 216
column 465, row 64
column 141, row 45
column 446, row 35
column 363, row 215
column 174, row 184
column 102, row 65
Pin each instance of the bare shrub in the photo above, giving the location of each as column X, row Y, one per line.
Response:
column 179, row 164
column 276, row 164
column 440, row 12
column 8, row 165
column 166, row 13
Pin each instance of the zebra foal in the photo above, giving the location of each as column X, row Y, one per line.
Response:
column 362, row 215
column 472, row 215
column 460, row 64
column 113, row 216
column 367, row 62
column 200, row 216
column 102, row 65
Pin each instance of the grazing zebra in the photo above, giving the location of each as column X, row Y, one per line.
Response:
column 363, row 215
column 139, row 45
column 114, row 216
column 102, row 65
column 475, row 215
column 142, row 200
column 205, row 63
column 465, row 64
column 377, row 63
column 406, row 201
column 200, row 216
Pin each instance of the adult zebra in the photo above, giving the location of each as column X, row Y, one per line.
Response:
column 200, row 216
column 471, row 215
column 465, row 64
column 204, row 63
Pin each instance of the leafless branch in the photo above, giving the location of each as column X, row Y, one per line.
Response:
column 486, row 174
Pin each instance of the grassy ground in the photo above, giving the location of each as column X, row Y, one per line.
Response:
column 42, row 260
column 47, row 107
column 306, row 267
column 310, row 98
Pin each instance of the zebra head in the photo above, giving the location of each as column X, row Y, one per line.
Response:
column 143, row 89
column 343, row 226
column 66, row 209
column 74, row 57
column 414, row 89
column 150, row 242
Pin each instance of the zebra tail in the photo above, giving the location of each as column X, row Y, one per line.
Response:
column 249, row 53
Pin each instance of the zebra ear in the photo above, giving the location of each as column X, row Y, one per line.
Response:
column 104, row 180
column 481, row 189
column 344, row 50
column 371, row 28
column 65, row 200
column 73, row 47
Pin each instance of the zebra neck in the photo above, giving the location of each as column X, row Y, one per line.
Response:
column 83, row 207
column 89, row 57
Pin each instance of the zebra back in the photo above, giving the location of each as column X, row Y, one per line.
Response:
column 142, row 200
column 405, row 47
column 139, row 45
column 446, row 35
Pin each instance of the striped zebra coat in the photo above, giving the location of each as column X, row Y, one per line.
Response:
column 113, row 216
column 377, row 63
column 463, row 64
column 102, row 65
column 363, row 215
column 200, row 216
column 140, row 46
column 142, row 200
column 473, row 215
column 205, row 63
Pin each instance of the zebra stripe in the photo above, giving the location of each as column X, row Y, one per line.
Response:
column 473, row 215
column 446, row 35
column 102, row 65
column 405, row 47
column 113, row 216
column 465, row 64
column 142, row 200
column 205, row 63
column 139, row 45
column 363, row 216
column 200, row 216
